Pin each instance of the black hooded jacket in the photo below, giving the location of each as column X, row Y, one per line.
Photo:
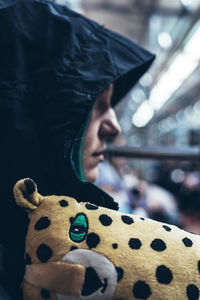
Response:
column 53, row 65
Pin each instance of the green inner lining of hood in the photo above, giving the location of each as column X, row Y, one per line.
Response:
column 77, row 149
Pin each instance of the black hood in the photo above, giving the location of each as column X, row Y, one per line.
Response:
column 53, row 65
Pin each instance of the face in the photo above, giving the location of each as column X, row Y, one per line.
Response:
column 103, row 125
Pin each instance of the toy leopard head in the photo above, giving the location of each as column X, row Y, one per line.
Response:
column 79, row 251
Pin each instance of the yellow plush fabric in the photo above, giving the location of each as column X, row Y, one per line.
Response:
column 143, row 259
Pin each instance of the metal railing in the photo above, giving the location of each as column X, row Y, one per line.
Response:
column 157, row 152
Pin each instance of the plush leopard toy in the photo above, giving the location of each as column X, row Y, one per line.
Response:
column 79, row 251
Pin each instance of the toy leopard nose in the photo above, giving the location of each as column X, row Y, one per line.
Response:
column 100, row 275
column 93, row 283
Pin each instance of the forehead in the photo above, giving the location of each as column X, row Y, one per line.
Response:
column 106, row 94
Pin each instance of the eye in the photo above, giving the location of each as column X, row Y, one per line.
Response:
column 102, row 106
column 79, row 228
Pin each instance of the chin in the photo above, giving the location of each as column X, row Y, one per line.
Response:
column 92, row 175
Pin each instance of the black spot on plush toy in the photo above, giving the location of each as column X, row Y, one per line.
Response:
column 81, row 251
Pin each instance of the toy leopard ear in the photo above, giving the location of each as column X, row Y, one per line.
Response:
column 26, row 194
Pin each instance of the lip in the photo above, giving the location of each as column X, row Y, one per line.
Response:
column 99, row 154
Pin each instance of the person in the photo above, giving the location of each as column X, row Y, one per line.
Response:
column 61, row 75
column 103, row 125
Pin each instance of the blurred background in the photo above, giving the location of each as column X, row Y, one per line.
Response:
column 153, row 168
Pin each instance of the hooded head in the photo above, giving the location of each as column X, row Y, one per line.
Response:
column 54, row 64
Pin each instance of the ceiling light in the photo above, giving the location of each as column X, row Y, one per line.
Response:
column 138, row 95
column 180, row 69
column 75, row 5
column 192, row 46
column 188, row 112
column 143, row 115
column 186, row 2
column 197, row 107
column 146, row 80
column 180, row 116
column 164, row 40
column 190, row 4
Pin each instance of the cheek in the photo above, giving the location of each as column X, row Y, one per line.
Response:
column 89, row 162
column 91, row 138
column 89, row 141
column 91, row 145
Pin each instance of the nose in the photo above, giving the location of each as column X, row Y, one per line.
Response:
column 109, row 126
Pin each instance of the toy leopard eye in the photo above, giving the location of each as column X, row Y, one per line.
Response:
column 79, row 228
